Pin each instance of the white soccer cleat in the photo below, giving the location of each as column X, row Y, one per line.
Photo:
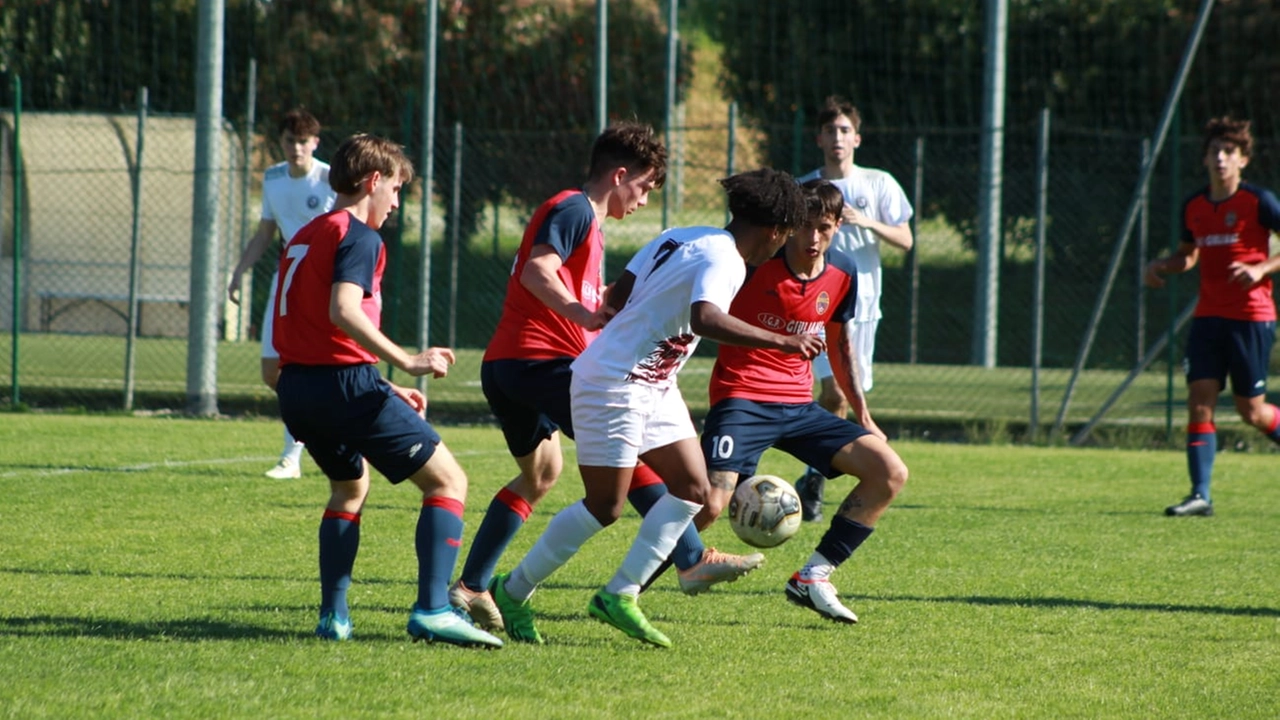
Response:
column 479, row 605
column 286, row 469
column 819, row 596
column 717, row 567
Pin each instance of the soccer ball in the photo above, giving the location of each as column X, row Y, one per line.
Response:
column 764, row 511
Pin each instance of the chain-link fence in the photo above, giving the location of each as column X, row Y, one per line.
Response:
column 77, row 210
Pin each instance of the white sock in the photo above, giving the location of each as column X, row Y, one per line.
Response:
column 818, row 568
column 567, row 531
column 292, row 448
column 662, row 527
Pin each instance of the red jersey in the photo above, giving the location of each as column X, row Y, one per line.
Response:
column 333, row 248
column 773, row 298
column 1237, row 229
column 530, row 330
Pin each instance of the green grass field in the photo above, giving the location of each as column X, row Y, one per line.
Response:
column 150, row 571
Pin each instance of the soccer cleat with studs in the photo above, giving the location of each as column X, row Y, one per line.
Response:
column 809, row 487
column 452, row 626
column 819, row 596
column 717, row 567
column 623, row 612
column 332, row 627
column 1193, row 504
column 479, row 605
column 286, row 469
column 517, row 616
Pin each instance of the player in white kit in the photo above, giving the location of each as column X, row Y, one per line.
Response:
column 627, row 407
column 293, row 192
column 875, row 209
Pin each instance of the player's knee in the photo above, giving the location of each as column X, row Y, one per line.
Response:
column 897, row 477
column 605, row 511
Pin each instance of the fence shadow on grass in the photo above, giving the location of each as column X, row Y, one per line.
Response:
column 118, row 629
column 1061, row 602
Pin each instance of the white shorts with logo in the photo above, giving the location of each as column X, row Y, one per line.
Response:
column 268, row 321
column 864, row 343
column 615, row 425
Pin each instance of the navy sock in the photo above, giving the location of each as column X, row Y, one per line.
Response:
column 506, row 515
column 437, row 541
column 842, row 538
column 1202, row 445
column 339, row 543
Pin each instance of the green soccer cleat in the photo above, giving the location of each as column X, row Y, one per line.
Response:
column 517, row 617
column 622, row 612
column 332, row 627
column 452, row 626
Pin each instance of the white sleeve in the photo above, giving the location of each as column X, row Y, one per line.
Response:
column 894, row 206
column 719, row 276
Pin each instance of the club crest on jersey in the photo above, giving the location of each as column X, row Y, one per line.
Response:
column 862, row 203
column 823, row 303
column 313, row 202
column 1231, row 218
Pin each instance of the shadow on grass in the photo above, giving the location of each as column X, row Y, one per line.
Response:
column 116, row 629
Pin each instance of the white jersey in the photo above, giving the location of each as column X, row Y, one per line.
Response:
column 878, row 196
column 651, row 338
column 292, row 202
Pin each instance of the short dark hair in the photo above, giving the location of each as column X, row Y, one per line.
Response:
column 300, row 122
column 1236, row 132
column 631, row 145
column 835, row 106
column 765, row 198
column 359, row 156
column 822, row 199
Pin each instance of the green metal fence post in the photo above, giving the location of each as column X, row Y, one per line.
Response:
column 16, row 394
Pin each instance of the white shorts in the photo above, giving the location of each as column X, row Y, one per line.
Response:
column 864, row 343
column 268, row 321
column 614, row 426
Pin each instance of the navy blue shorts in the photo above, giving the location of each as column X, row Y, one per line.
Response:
column 346, row 413
column 1218, row 347
column 737, row 432
column 530, row 398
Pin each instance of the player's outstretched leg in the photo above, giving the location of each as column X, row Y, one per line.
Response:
column 717, row 567
column 623, row 612
column 450, row 625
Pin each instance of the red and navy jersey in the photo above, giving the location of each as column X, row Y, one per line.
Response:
column 530, row 330
column 1237, row 229
column 333, row 248
column 773, row 298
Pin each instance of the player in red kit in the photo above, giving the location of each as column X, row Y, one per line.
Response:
column 1226, row 229
column 332, row 397
column 763, row 398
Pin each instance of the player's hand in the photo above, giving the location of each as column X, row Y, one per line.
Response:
column 806, row 346
column 599, row 318
column 233, row 290
column 1151, row 277
column 871, row 427
column 432, row 360
column 853, row 216
column 1244, row 274
column 413, row 396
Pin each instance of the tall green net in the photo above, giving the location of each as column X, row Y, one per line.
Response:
column 515, row 114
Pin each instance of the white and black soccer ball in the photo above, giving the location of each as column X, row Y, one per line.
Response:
column 764, row 511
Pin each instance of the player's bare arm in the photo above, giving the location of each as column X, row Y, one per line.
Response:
column 258, row 245
column 898, row 236
column 711, row 322
column 842, row 354
column 1182, row 260
column 617, row 294
column 540, row 277
column 346, row 312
